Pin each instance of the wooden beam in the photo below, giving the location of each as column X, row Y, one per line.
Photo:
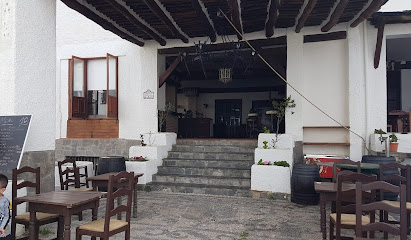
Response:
column 259, row 43
column 201, row 14
column 272, row 18
column 380, row 36
column 372, row 8
column 169, row 70
column 306, row 13
column 335, row 16
column 128, row 13
column 159, row 12
column 325, row 37
column 235, row 16
column 102, row 22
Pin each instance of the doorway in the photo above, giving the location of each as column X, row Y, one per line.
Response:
column 228, row 114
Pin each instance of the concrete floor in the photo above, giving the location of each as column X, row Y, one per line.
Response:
column 184, row 216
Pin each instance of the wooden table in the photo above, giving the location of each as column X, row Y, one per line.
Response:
column 328, row 193
column 102, row 181
column 63, row 203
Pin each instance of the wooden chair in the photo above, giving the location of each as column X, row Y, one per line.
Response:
column 344, row 217
column 363, row 227
column 403, row 176
column 345, row 161
column 42, row 218
column 70, row 176
column 119, row 185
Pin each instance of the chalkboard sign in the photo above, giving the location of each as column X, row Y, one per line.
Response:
column 13, row 134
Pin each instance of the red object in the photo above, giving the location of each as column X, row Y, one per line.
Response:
column 325, row 172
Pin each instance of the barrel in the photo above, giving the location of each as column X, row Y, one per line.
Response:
column 302, row 184
column 110, row 164
column 380, row 160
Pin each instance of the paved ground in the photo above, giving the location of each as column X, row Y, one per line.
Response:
column 182, row 216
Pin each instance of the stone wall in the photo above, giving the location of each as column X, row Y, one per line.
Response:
column 93, row 147
column 44, row 160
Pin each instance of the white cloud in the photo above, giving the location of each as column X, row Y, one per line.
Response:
column 396, row 6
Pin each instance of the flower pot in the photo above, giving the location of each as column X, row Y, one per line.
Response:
column 393, row 147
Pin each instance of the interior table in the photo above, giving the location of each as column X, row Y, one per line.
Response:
column 102, row 181
column 328, row 193
column 63, row 203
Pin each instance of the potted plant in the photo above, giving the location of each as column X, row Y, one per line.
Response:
column 393, row 143
column 281, row 108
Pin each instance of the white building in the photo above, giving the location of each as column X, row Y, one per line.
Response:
column 334, row 70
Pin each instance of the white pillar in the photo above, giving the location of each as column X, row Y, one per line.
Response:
column 28, row 72
column 356, row 88
column 295, row 52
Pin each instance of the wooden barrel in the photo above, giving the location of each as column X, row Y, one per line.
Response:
column 380, row 160
column 302, row 184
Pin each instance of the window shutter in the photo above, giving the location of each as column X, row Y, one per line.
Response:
column 78, row 88
column 112, row 86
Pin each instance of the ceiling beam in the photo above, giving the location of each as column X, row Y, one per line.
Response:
column 272, row 17
column 204, row 19
column 128, row 13
column 378, row 46
column 306, row 13
column 160, row 13
column 325, row 37
column 372, row 8
column 236, row 16
column 103, row 22
column 335, row 16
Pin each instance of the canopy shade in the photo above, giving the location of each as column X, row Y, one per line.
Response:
column 160, row 20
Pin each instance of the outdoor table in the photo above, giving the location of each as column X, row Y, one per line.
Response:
column 328, row 193
column 102, row 181
column 63, row 203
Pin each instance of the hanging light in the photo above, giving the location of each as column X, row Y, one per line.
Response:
column 225, row 75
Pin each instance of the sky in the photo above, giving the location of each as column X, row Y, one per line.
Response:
column 396, row 6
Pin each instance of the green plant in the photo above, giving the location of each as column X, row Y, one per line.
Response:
column 142, row 140
column 266, row 130
column 281, row 108
column 45, row 232
column 393, row 138
column 147, row 189
column 264, row 163
column 379, row 131
column 163, row 114
column 281, row 163
column 265, row 145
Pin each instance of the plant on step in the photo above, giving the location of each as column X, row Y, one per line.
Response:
column 393, row 138
column 266, row 130
column 281, row 108
column 137, row 159
column 142, row 140
column 379, row 131
column 263, row 163
column 265, row 145
column 281, row 163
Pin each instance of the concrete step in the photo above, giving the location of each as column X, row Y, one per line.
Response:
column 200, row 189
column 219, row 142
column 237, row 164
column 212, row 148
column 206, row 180
column 211, row 155
column 204, row 171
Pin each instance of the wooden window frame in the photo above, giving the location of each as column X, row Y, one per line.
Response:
column 74, row 115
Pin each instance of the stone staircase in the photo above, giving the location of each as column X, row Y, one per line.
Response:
column 217, row 167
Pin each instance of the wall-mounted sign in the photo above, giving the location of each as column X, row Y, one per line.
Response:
column 148, row 94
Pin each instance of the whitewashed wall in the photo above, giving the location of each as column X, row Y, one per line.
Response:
column 137, row 71
column 28, row 71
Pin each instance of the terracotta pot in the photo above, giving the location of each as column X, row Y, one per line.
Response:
column 393, row 147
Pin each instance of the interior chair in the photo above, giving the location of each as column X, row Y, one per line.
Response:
column 70, row 177
column 362, row 227
column 344, row 161
column 344, row 217
column 42, row 218
column 396, row 173
column 120, row 185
